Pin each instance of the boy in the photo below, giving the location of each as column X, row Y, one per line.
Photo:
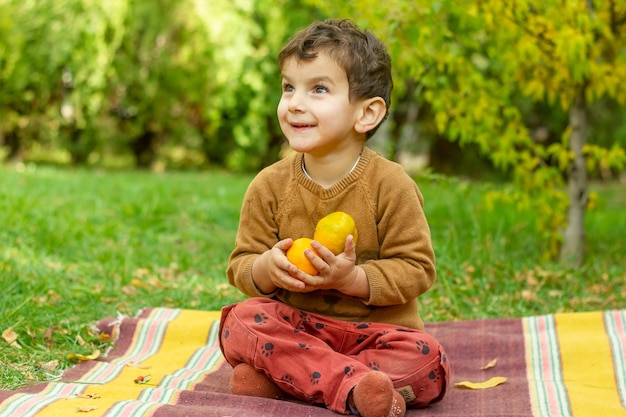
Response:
column 350, row 337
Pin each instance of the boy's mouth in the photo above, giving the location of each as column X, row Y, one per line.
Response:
column 301, row 125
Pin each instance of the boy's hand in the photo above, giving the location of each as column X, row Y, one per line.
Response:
column 273, row 270
column 336, row 272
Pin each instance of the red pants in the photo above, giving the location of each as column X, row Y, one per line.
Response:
column 320, row 360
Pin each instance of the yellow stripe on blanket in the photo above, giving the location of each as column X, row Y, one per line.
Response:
column 588, row 371
column 184, row 335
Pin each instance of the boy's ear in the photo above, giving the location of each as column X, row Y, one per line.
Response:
column 372, row 111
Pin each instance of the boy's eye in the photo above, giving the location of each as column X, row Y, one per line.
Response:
column 320, row 89
column 287, row 88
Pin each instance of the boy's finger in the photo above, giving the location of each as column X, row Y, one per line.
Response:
column 323, row 251
column 284, row 244
column 311, row 280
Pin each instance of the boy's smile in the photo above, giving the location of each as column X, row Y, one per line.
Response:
column 299, row 126
column 315, row 112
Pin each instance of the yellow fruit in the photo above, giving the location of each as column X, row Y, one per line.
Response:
column 332, row 231
column 296, row 255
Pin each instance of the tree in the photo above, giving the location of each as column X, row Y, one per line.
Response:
column 162, row 80
column 481, row 65
column 247, row 39
column 91, row 33
column 151, row 80
column 11, row 45
column 54, row 66
column 575, row 52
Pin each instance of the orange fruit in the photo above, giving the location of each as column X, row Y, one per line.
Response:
column 333, row 229
column 296, row 255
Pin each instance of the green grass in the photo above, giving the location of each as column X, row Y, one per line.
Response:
column 77, row 246
column 489, row 262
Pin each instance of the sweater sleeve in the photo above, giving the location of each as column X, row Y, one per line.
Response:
column 405, row 267
column 256, row 234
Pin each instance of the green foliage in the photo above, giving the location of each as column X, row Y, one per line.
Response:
column 248, row 78
column 161, row 81
column 56, row 60
column 195, row 83
column 478, row 67
column 144, row 80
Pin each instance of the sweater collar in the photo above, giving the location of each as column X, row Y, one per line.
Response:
column 340, row 185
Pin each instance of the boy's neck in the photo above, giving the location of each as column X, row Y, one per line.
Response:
column 329, row 170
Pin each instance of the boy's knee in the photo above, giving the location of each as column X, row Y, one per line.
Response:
column 424, row 346
column 429, row 379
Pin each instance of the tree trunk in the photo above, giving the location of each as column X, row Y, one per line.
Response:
column 79, row 151
column 404, row 114
column 573, row 248
column 144, row 149
column 13, row 141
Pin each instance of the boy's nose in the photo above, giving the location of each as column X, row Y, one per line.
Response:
column 296, row 102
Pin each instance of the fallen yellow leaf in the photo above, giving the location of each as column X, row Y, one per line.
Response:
column 136, row 365
column 50, row 365
column 86, row 409
column 138, row 283
column 93, row 396
column 94, row 355
column 490, row 364
column 10, row 337
column 103, row 337
column 528, row 295
column 490, row 383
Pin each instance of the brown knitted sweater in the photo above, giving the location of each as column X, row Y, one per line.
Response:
column 394, row 246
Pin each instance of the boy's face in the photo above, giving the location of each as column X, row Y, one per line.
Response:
column 315, row 112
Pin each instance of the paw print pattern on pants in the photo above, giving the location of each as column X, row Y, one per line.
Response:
column 287, row 379
column 260, row 318
column 423, row 347
column 434, row 375
column 315, row 378
column 267, row 349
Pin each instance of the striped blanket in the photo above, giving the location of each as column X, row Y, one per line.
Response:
column 555, row 365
